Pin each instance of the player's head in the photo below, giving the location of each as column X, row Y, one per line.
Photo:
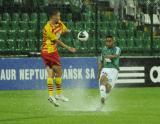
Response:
column 109, row 41
column 55, row 16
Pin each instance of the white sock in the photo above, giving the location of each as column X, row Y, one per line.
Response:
column 103, row 91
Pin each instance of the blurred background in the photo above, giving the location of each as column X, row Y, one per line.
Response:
column 135, row 24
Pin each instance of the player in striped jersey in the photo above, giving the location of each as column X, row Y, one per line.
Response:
column 51, row 39
column 108, row 68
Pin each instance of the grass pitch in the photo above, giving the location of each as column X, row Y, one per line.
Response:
column 124, row 106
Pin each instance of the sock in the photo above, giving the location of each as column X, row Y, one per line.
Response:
column 50, row 86
column 58, row 85
column 103, row 91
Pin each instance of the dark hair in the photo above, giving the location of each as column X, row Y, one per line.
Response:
column 53, row 12
column 109, row 36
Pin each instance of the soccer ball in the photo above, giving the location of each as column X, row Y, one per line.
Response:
column 83, row 36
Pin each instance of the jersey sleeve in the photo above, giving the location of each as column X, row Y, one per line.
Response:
column 118, row 51
column 64, row 28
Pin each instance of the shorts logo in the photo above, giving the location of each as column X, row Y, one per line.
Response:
column 155, row 70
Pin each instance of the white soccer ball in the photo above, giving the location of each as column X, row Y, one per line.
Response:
column 83, row 36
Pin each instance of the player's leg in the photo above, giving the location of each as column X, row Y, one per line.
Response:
column 58, row 79
column 49, row 60
column 58, row 70
column 107, row 81
column 51, row 74
column 113, row 76
column 46, row 58
column 104, row 85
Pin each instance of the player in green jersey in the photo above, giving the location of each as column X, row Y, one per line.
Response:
column 108, row 67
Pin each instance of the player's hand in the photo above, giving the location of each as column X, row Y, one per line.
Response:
column 71, row 49
column 108, row 56
column 69, row 31
column 108, row 60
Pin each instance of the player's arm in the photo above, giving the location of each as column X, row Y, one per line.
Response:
column 117, row 54
column 71, row 49
column 100, row 65
column 64, row 28
column 111, row 56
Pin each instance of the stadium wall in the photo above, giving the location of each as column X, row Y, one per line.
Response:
column 30, row 73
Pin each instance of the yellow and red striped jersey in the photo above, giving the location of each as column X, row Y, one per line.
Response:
column 52, row 33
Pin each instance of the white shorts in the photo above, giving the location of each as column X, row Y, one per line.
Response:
column 112, row 75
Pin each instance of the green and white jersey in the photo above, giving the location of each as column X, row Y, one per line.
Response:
column 110, row 63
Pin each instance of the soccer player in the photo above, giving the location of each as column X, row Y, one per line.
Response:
column 51, row 39
column 108, row 67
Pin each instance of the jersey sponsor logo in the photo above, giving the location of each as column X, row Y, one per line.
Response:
column 155, row 74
